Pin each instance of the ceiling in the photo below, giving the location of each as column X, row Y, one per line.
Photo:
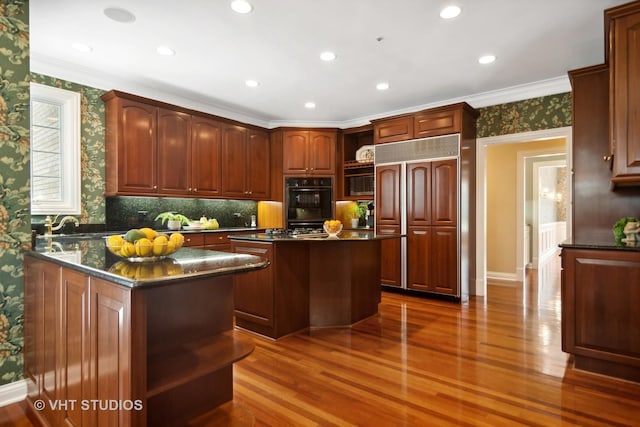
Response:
column 426, row 60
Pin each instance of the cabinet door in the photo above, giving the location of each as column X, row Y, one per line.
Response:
column 419, row 194
column 253, row 292
column 322, row 153
column 390, row 257
column 392, row 130
column 41, row 335
column 444, row 192
column 206, row 157
column 625, row 102
column 418, row 258
column 137, row 148
column 388, row 194
column 437, row 123
column 295, row 152
column 174, row 155
column 234, row 153
column 75, row 348
column 110, row 311
column 444, row 260
column 258, row 164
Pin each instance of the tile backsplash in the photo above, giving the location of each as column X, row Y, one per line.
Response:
column 123, row 213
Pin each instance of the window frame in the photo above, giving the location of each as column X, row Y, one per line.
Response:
column 69, row 103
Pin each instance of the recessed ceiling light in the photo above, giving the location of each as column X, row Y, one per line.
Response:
column 81, row 47
column 327, row 56
column 310, row 105
column 382, row 86
column 166, row 51
column 241, row 6
column 251, row 83
column 119, row 15
column 487, row 59
column 450, row 12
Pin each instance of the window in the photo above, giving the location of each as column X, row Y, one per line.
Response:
column 55, row 150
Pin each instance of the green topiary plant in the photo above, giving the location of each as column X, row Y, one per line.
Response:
column 618, row 227
column 172, row 216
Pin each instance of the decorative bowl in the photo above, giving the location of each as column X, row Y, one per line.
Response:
column 332, row 228
column 144, row 249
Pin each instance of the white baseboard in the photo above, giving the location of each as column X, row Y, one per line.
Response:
column 496, row 275
column 13, row 392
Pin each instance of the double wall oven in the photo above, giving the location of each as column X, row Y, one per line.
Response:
column 309, row 202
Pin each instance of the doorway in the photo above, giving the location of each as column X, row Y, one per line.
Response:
column 481, row 193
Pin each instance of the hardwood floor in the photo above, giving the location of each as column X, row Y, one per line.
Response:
column 422, row 362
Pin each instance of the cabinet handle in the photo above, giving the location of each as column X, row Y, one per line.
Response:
column 195, row 189
column 155, row 187
column 607, row 157
column 249, row 192
column 190, row 189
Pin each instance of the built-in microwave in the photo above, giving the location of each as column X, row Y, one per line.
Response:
column 309, row 202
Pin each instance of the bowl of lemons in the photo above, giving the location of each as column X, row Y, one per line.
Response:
column 332, row 227
column 144, row 244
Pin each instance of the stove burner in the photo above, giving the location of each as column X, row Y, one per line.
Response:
column 294, row 232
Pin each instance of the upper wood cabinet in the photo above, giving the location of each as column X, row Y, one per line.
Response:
column 246, row 163
column 309, row 152
column 393, row 129
column 444, row 192
column 624, row 61
column 131, row 147
column 154, row 148
column 438, row 121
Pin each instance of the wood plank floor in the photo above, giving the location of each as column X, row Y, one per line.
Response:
column 493, row 361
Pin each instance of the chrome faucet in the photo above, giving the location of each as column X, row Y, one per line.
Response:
column 48, row 223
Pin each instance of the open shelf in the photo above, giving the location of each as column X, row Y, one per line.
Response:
column 169, row 368
column 357, row 178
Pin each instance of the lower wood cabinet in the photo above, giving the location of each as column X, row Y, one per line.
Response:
column 390, row 257
column 110, row 355
column 432, row 259
column 600, row 316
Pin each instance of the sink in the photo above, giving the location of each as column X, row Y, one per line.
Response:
column 75, row 236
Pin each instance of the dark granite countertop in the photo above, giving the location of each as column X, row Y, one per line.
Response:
column 602, row 244
column 345, row 235
column 90, row 255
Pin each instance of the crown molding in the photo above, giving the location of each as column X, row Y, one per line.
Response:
column 89, row 77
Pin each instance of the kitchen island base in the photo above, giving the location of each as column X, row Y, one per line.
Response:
column 163, row 353
column 314, row 282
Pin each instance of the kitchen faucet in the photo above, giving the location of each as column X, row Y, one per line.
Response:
column 48, row 223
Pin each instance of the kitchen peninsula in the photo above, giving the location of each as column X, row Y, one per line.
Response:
column 312, row 281
column 156, row 337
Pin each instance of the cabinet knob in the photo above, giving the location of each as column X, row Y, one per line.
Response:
column 195, row 190
column 190, row 189
column 155, row 187
column 607, row 157
column 249, row 192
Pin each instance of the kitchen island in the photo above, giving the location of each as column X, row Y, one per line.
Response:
column 312, row 281
column 129, row 344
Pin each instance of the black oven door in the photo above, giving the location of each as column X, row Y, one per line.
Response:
column 309, row 202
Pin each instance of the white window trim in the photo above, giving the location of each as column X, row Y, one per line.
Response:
column 71, row 179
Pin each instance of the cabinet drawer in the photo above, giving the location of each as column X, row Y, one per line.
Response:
column 194, row 239
column 434, row 124
column 211, row 239
column 398, row 129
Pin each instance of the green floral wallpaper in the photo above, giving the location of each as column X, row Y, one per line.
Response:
column 92, row 147
column 546, row 112
column 15, row 228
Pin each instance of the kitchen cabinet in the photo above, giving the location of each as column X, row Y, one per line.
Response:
column 390, row 257
column 130, row 147
column 355, row 177
column 212, row 240
column 624, row 62
column 600, row 317
column 273, row 301
column 393, row 129
column 445, row 120
column 174, row 152
column 309, row 152
column 156, row 149
column 206, row 157
column 246, row 163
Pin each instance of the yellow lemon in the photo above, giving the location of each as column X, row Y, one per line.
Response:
column 171, row 247
column 143, row 247
column 177, row 239
column 149, row 232
column 128, row 250
column 160, row 245
column 114, row 243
